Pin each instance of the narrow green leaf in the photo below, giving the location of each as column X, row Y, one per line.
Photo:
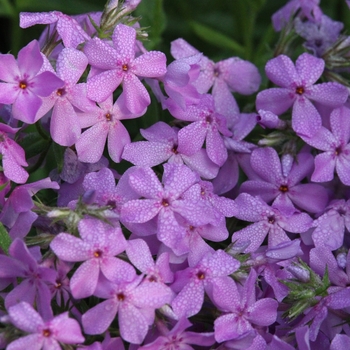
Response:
column 5, row 239
column 59, row 155
column 216, row 38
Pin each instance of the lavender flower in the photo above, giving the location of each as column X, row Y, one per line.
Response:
column 23, row 86
column 44, row 333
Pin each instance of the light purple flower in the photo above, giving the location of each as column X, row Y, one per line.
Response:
column 64, row 127
column 165, row 203
column 119, row 65
column 22, row 86
column 35, row 278
column 97, row 247
column 336, row 146
column 44, row 334
column 105, row 122
column 178, row 338
column 13, row 156
column 206, row 125
column 297, row 89
column 17, row 212
column 242, row 311
column 208, row 273
column 308, row 9
column 279, row 181
column 267, row 221
column 134, row 302
column 67, row 27
column 163, row 145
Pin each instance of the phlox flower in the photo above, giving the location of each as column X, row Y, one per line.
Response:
column 307, row 8
column 13, row 156
column 178, row 338
column 133, row 301
column 21, row 263
column 297, row 89
column 165, row 202
column 97, row 247
column 335, row 144
column 105, row 124
column 17, row 212
column 206, row 125
column 331, row 226
column 241, row 310
column 44, row 333
column 66, row 26
column 64, row 126
column 279, row 181
column 208, row 272
column 163, row 145
column 267, row 221
column 119, row 65
column 22, row 86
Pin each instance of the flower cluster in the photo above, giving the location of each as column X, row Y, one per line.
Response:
column 208, row 238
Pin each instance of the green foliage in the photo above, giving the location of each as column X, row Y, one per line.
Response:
column 5, row 239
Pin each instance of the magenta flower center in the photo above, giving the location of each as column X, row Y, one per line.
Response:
column 300, row 90
column 46, row 333
column 283, row 188
column 23, row 84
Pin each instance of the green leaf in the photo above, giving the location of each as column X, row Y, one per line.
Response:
column 58, row 151
column 5, row 239
column 34, row 144
column 216, row 38
column 152, row 16
column 7, row 9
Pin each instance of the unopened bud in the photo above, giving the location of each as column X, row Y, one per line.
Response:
column 299, row 272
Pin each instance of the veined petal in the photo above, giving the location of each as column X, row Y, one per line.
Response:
column 8, row 68
column 276, row 100
column 134, row 96
column 26, row 106
column 30, row 60
column 8, row 92
column 151, row 64
column 118, row 138
column 45, row 83
column 71, row 64
column 281, row 71
column 124, row 38
column 91, row 143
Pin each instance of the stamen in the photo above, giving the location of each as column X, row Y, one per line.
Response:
column 22, row 85
column 283, row 188
column 300, row 90
column 125, row 67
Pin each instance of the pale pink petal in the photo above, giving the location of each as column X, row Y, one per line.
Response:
column 100, row 54
column 151, row 64
column 8, row 68
column 124, row 38
column 118, row 138
column 30, row 60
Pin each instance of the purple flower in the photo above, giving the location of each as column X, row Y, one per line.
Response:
column 233, row 74
column 319, row 36
column 134, row 302
column 308, row 9
column 208, row 273
column 165, row 203
column 267, row 221
column 280, row 182
column 106, row 125
column 64, row 127
column 119, row 65
column 206, row 125
column 163, row 145
column 242, row 311
column 297, row 89
column 17, row 212
column 97, row 247
column 177, row 338
column 33, row 287
column 22, row 85
column 67, row 27
column 44, row 334
column 13, row 156
column 331, row 226
column 336, row 147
